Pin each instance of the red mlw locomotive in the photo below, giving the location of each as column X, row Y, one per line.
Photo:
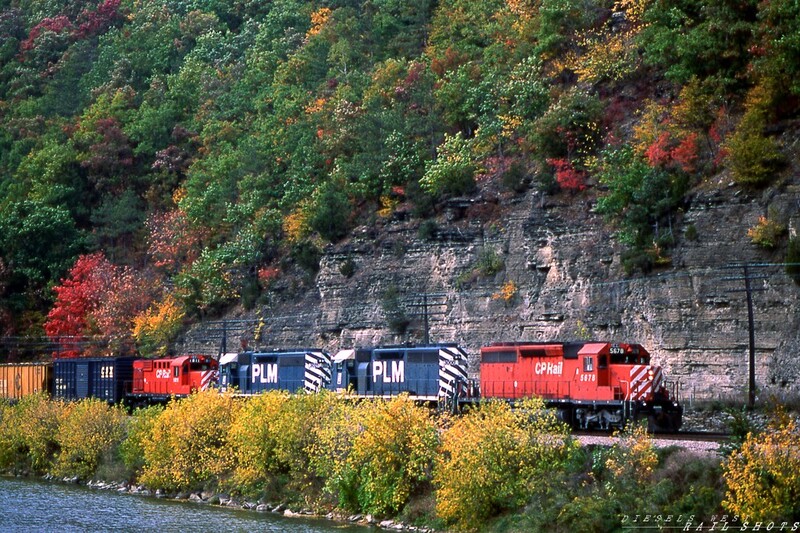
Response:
column 160, row 379
column 591, row 384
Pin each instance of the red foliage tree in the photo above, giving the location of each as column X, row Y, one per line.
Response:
column 685, row 154
column 77, row 297
column 568, row 177
column 658, row 153
column 56, row 25
column 128, row 293
column 172, row 240
column 98, row 21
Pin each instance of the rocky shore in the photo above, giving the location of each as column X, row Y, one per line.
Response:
column 225, row 500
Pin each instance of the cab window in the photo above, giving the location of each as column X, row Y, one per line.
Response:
column 588, row 364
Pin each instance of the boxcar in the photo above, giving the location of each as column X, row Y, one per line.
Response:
column 290, row 370
column 426, row 373
column 20, row 379
column 105, row 378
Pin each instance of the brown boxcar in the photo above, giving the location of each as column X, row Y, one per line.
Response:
column 20, row 379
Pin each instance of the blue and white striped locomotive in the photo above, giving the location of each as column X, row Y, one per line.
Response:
column 427, row 373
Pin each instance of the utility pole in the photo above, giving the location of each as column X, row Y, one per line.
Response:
column 438, row 300
column 748, row 277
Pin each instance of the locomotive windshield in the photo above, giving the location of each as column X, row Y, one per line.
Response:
column 630, row 359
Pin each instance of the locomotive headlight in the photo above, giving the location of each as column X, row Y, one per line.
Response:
column 650, row 374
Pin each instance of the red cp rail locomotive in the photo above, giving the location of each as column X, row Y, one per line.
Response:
column 591, row 384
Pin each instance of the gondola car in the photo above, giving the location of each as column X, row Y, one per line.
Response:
column 431, row 373
column 591, row 384
column 253, row 372
column 161, row 379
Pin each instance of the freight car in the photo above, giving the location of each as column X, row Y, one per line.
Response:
column 20, row 379
column 591, row 384
column 429, row 373
column 292, row 370
column 105, row 378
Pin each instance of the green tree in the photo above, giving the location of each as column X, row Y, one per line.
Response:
column 38, row 242
column 709, row 41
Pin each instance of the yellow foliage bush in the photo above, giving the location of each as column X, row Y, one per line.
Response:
column 392, row 454
column 87, row 432
column 318, row 20
column 28, row 434
column 139, row 426
column 331, row 449
column 766, row 233
column 489, row 457
column 507, row 292
column 253, row 440
column 296, row 225
column 633, row 458
column 296, row 428
column 188, row 445
column 763, row 477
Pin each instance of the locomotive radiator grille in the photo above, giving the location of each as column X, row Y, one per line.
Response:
column 317, row 371
column 642, row 387
column 452, row 370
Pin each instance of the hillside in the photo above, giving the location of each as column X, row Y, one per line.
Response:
column 307, row 170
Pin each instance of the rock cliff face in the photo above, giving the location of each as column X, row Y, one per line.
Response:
column 568, row 284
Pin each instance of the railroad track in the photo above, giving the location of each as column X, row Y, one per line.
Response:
column 700, row 436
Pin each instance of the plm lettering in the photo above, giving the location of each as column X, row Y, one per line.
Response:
column 389, row 371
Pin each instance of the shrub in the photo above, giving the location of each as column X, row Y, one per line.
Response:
column 639, row 196
column 295, row 429
column 392, row 455
column 395, row 315
column 567, row 176
column 766, row 233
column 490, row 262
column 186, row 448
column 29, row 431
column 330, row 212
column 140, row 425
column 752, row 157
column 427, row 230
column 570, row 128
column 88, row 431
column 347, row 268
column 490, row 456
column 507, row 292
column 155, row 328
column 763, row 478
column 253, row 441
column 331, row 449
column 307, row 256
